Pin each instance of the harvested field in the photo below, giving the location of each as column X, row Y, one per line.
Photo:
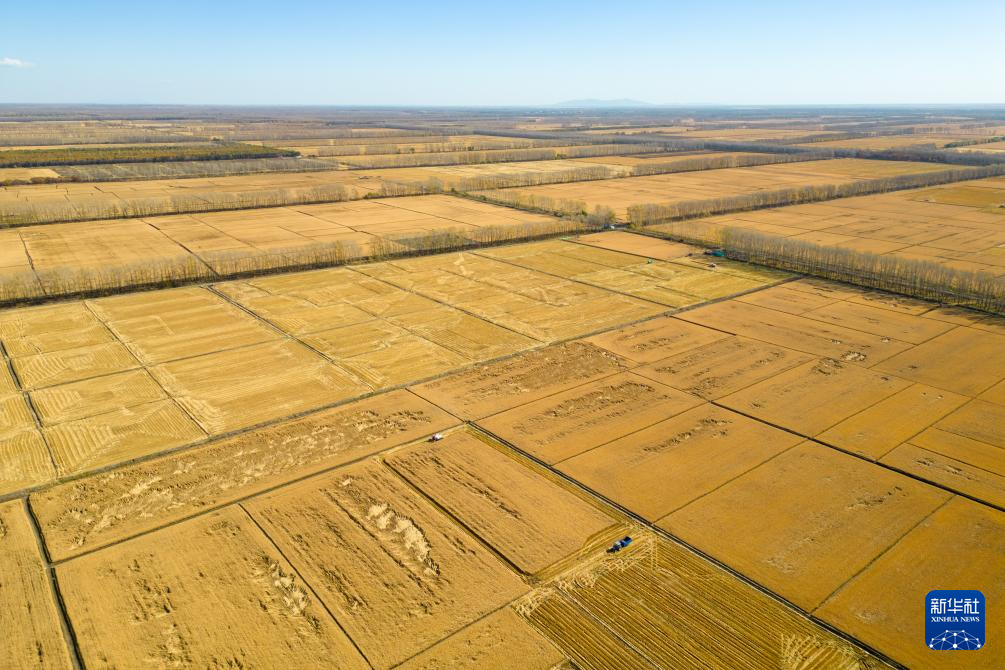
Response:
column 237, row 388
column 721, row 367
column 873, row 432
column 569, row 423
column 752, row 134
column 24, row 458
column 93, row 511
column 963, row 451
column 673, row 284
column 659, row 469
column 488, row 389
column 180, row 323
column 814, row 396
column 958, row 225
column 389, row 337
column 892, row 587
column 101, row 192
column 348, row 146
column 894, row 411
column 525, row 301
column 213, row 591
column 90, row 397
column 33, row 637
column 656, row 339
column 881, row 142
column 963, row 360
column 528, row 519
column 124, row 377
column 635, row 244
column 492, row 643
column 25, row 175
column 619, row 194
column 805, row 522
column 603, row 614
column 395, row 573
column 795, row 332
column 127, row 431
column 61, row 258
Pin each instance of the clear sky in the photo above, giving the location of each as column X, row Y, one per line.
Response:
column 505, row 53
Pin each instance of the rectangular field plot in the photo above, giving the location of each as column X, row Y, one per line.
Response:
column 90, row 397
column 814, row 396
column 958, row 225
column 639, row 245
column 397, row 574
column 382, row 354
column 796, row 332
column 889, row 588
column 569, row 423
column 242, row 387
column 211, row 591
column 380, row 333
column 964, row 451
column 873, row 432
column 199, row 245
column 806, row 521
column 121, row 434
column 533, row 304
column 525, row 516
column 964, row 360
column 32, row 633
column 656, row 339
column 494, row 642
column 723, row 366
column 143, row 496
column 24, row 459
column 69, row 365
column 36, row 330
column 671, row 284
column 15, row 415
column 495, row 387
column 167, row 325
column 608, row 613
column 619, row 194
column 667, row 465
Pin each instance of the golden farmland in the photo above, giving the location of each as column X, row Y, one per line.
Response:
column 620, row 194
column 401, row 426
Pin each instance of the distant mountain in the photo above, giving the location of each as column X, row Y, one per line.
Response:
column 593, row 103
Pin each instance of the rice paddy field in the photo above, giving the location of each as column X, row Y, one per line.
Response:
column 907, row 141
column 210, row 241
column 959, row 225
column 620, row 194
column 415, row 458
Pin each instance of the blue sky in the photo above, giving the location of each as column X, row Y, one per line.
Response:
column 514, row 53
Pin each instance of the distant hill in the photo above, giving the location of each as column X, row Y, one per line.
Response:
column 593, row 103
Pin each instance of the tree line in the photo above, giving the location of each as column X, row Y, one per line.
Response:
column 32, row 286
column 917, row 278
column 648, row 214
column 24, row 158
column 493, row 156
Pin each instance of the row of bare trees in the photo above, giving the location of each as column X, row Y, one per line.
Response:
column 61, row 283
column 33, row 213
column 448, row 146
column 171, row 170
column 918, row 278
column 496, row 156
column 209, row 151
column 647, row 214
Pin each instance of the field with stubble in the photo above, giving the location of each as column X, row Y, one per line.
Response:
column 344, row 412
